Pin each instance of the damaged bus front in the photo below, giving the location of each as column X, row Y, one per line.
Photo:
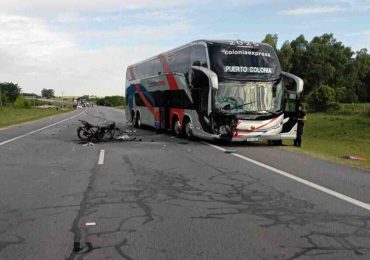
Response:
column 248, row 97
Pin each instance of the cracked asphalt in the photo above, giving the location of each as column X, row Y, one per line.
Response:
column 169, row 198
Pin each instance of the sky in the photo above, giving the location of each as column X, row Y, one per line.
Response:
column 84, row 47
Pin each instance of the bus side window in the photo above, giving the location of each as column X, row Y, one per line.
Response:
column 198, row 56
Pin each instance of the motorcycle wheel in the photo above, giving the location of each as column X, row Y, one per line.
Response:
column 83, row 134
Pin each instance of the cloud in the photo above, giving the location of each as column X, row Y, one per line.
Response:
column 37, row 56
column 313, row 10
column 362, row 33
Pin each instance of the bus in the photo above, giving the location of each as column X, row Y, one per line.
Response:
column 230, row 90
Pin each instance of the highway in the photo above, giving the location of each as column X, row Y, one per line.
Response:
column 162, row 197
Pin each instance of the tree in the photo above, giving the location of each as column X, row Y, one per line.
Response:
column 111, row 101
column 299, row 57
column 285, row 56
column 329, row 62
column 22, row 102
column 271, row 39
column 47, row 93
column 9, row 92
column 362, row 70
column 321, row 97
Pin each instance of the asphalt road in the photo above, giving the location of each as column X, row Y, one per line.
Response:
column 169, row 198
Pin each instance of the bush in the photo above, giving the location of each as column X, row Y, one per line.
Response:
column 320, row 98
column 22, row 102
column 333, row 107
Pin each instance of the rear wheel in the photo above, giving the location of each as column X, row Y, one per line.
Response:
column 176, row 127
column 187, row 129
column 138, row 120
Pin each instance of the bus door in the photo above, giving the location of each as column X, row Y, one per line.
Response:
column 164, row 110
column 293, row 87
column 200, row 95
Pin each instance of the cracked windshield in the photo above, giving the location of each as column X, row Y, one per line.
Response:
column 184, row 130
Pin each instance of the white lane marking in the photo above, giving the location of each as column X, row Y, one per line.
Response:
column 300, row 180
column 101, row 157
column 40, row 129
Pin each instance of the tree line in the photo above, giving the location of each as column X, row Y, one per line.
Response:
column 332, row 72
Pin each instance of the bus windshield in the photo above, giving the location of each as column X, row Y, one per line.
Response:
column 244, row 62
column 249, row 97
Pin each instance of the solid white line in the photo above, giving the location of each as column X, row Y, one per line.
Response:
column 38, row 130
column 101, row 157
column 300, row 180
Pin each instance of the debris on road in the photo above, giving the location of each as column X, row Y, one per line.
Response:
column 127, row 138
column 88, row 144
column 230, row 151
column 90, row 224
column 123, row 138
column 354, row 157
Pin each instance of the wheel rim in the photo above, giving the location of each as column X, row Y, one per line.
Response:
column 188, row 129
column 177, row 127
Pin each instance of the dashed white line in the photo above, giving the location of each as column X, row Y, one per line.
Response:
column 300, row 180
column 40, row 129
column 101, row 157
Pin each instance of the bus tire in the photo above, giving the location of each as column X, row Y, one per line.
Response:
column 133, row 119
column 138, row 120
column 187, row 129
column 176, row 127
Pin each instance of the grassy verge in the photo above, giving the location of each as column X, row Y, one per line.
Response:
column 331, row 136
column 11, row 116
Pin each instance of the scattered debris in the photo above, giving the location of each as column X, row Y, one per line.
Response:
column 230, row 151
column 354, row 157
column 123, row 138
column 88, row 144
column 165, row 145
column 90, row 224
column 129, row 131
column 127, row 138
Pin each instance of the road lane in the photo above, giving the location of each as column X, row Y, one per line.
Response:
column 162, row 198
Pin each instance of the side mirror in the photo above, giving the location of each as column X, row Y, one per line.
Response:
column 212, row 77
column 298, row 88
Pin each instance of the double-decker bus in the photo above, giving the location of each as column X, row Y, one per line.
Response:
column 233, row 90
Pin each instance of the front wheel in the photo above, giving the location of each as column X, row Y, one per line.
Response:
column 83, row 134
column 137, row 120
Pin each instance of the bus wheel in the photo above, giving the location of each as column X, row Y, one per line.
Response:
column 137, row 120
column 133, row 119
column 277, row 142
column 187, row 129
column 176, row 127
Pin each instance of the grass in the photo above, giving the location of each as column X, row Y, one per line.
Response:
column 331, row 136
column 11, row 116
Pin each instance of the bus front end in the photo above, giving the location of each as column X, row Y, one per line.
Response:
column 251, row 99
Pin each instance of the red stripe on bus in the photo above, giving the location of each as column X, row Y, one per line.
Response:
column 172, row 84
column 141, row 94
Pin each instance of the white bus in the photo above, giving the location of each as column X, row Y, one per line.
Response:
column 233, row 90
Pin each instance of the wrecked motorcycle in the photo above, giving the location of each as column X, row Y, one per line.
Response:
column 88, row 132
